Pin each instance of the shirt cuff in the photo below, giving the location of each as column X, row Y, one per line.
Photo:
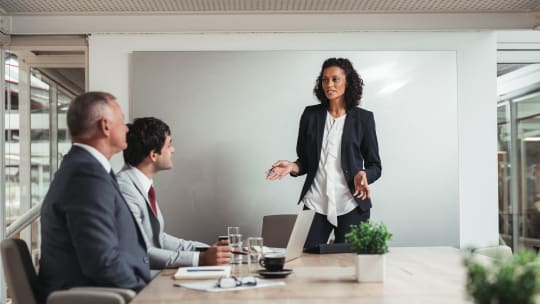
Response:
column 195, row 261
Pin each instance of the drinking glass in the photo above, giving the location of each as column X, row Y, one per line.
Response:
column 235, row 242
column 232, row 230
column 255, row 252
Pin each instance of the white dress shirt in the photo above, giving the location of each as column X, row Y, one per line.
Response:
column 97, row 155
column 329, row 194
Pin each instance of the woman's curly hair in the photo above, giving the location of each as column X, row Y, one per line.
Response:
column 355, row 84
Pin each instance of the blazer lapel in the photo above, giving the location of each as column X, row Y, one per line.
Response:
column 154, row 220
column 111, row 175
column 114, row 181
column 347, row 128
column 139, row 187
column 139, row 228
column 320, row 119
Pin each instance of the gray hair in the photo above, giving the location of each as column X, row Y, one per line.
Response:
column 85, row 110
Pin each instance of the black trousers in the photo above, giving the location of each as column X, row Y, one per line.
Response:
column 321, row 228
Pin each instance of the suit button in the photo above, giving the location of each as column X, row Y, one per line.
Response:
column 145, row 260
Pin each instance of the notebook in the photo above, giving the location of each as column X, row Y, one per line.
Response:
column 299, row 233
column 203, row 272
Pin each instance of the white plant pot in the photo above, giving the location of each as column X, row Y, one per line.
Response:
column 370, row 267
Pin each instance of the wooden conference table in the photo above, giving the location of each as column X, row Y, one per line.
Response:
column 413, row 275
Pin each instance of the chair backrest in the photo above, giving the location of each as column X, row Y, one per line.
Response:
column 277, row 228
column 19, row 272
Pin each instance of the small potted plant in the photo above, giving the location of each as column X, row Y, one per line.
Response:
column 369, row 241
column 515, row 280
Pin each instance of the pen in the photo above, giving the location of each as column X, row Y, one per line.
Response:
column 239, row 252
column 198, row 270
column 269, row 171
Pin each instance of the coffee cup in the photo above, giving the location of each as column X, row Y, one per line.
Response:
column 272, row 262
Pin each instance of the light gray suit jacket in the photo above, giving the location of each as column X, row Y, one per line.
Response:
column 165, row 250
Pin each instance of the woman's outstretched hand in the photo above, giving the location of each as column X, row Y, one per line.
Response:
column 280, row 169
column 361, row 187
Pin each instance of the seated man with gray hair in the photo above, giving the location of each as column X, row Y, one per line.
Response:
column 88, row 235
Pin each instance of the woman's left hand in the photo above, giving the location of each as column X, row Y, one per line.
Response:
column 361, row 188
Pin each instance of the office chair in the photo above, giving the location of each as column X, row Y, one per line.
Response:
column 22, row 283
column 277, row 228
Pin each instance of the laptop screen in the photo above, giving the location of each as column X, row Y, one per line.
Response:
column 299, row 234
column 297, row 237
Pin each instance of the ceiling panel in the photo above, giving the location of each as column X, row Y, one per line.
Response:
column 71, row 7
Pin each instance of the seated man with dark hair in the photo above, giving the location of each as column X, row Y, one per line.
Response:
column 149, row 151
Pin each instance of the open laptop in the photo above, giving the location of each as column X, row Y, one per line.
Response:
column 298, row 237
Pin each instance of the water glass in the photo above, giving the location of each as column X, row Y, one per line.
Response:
column 235, row 242
column 233, row 230
column 255, row 252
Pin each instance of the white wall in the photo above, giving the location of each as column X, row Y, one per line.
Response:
column 109, row 70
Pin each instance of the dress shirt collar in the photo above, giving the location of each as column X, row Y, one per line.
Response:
column 97, row 155
column 145, row 182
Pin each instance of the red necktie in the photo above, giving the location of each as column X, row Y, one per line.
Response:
column 152, row 198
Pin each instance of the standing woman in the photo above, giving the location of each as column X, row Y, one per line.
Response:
column 337, row 148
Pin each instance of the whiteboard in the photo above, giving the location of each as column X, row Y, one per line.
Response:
column 233, row 113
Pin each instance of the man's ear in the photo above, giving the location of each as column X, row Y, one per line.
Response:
column 153, row 155
column 104, row 126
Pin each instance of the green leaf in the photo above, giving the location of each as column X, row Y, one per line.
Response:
column 514, row 280
column 369, row 237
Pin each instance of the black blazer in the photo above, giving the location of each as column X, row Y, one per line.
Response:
column 359, row 147
column 88, row 235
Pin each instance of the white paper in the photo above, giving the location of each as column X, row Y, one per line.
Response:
column 210, row 285
column 203, row 272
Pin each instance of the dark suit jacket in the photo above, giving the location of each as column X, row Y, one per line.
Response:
column 359, row 147
column 88, row 235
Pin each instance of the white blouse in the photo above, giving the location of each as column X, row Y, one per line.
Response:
column 329, row 194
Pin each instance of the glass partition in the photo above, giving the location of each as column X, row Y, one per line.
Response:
column 12, row 144
column 64, row 141
column 518, row 156
column 36, row 103
column 40, row 137
column 503, row 169
column 528, row 126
